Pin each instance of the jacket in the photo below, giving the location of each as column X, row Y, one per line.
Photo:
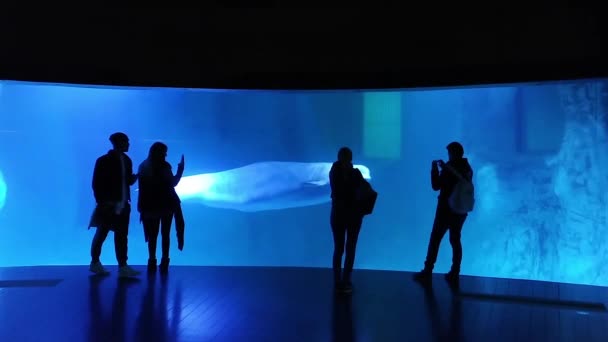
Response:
column 344, row 189
column 157, row 187
column 108, row 178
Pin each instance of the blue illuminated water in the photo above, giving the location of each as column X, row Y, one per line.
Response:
column 255, row 187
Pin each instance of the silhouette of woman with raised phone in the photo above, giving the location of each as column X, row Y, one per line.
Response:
column 158, row 203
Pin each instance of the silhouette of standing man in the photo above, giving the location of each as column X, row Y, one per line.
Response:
column 446, row 219
column 112, row 177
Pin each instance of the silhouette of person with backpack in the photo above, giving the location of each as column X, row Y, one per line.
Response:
column 456, row 200
column 352, row 198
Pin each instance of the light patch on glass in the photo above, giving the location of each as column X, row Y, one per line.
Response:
column 382, row 124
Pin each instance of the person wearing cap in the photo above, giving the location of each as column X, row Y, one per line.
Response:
column 112, row 178
column 446, row 219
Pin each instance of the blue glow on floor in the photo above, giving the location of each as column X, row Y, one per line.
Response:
column 255, row 187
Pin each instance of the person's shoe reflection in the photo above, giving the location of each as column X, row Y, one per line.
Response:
column 153, row 322
column 451, row 332
column 107, row 326
column 342, row 319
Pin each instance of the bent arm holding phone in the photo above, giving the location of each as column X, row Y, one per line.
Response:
column 435, row 174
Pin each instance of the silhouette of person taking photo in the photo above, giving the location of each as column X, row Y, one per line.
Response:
column 346, row 217
column 112, row 178
column 455, row 200
column 158, row 203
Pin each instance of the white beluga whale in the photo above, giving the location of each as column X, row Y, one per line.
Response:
column 262, row 186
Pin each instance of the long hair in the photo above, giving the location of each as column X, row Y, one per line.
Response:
column 157, row 151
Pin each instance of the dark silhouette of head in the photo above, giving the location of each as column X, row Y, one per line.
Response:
column 120, row 142
column 455, row 150
column 345, row 156
column 158, row 152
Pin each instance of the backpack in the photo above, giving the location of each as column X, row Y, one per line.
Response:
column 462, row 199
column 366, row 196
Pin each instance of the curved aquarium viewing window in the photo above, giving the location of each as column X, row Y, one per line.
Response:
column 255, row 190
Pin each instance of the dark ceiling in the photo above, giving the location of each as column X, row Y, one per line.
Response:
column 286, row 48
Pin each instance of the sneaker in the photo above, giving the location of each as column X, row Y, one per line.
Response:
column 151, row 265
column 347, row 287
column 164, row 266
column 97, row 268
column 337, row 286
column 423, row 277
column 343, row 287
column 453, row 278
column 127, row 272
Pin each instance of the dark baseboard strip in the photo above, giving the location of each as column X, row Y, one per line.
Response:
column 557, row 303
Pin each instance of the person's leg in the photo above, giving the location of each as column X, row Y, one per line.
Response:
column 165, row 228
column 440, row 227
column 97, row 243
column 338, row 229
column 166, row 234
column 96, row 246
column 352, row 235
column 121, row 243
column 456, row 223
column 151, row 226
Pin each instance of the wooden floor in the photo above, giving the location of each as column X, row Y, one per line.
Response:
column 290, row 304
